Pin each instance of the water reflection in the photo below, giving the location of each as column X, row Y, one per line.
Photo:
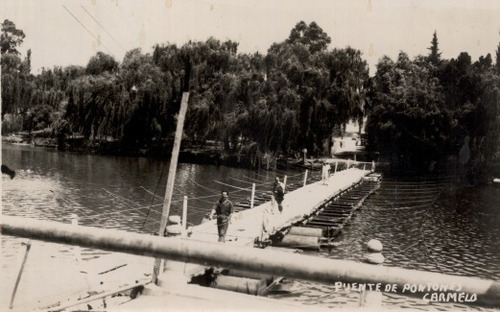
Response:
column 426, row 225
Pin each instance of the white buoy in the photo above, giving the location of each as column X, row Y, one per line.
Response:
column 374, row 245
column 374, row 258
column 174, row 226
column 372, row 299
column 174, row 219
column 174, row 229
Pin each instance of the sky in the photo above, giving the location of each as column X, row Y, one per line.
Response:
column 70, row 32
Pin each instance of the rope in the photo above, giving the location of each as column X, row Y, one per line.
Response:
column 81, row 211
column 233, row 186
column 86, row 216
column 153, row 197
column 242, row 181
column 398, row 208
column 260, row 175
column 123, row 199
column 205, row 187
column 202, row 197
column 423, row 239
column 152, row 193
column 138, row 209
column 254, row 180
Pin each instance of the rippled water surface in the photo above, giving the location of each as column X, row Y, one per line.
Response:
column 423, row 224
column 430, row 226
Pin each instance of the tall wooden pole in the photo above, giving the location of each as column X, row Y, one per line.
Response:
column 171, row 176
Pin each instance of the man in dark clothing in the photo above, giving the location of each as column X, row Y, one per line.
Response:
column 279, row 193
column 223, row 209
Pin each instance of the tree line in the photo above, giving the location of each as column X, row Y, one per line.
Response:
column 424, row 112
column 295, row 96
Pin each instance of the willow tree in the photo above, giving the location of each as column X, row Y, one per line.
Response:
column 129, row 104
column 294, row 63
column 207, row 71
column 329, row 85
column 348, row 77
column 144, row 111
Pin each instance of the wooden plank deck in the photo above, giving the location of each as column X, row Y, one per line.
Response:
column 247, row 225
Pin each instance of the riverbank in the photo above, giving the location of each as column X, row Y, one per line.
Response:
column 211, row 152
column 31, row 140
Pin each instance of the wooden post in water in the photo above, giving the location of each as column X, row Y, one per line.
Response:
column 336, row 165
column 284, row 182
column 305, row 177
column 184, row 214
column 252, row 198
column 171, row 176
column 348, row 163
column 373, row 165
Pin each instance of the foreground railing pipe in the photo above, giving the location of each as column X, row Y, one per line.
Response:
column 330, row 271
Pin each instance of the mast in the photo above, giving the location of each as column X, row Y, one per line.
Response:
column 171, row 176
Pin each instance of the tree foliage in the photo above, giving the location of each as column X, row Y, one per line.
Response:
column 434, row 55
column 292, row 97
column 10, row 38
column 406, row 121
column 423, row 111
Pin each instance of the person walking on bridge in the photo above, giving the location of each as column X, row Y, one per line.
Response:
column 325, row 172
column 223, row 209
column 279, row 193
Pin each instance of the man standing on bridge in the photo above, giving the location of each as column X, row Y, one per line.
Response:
column 279, row 193
column 325, row 172
column 223, row 209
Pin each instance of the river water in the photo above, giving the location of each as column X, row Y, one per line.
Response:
column 424, row 224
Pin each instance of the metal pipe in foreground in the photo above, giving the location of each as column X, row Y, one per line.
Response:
column 404, row 281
